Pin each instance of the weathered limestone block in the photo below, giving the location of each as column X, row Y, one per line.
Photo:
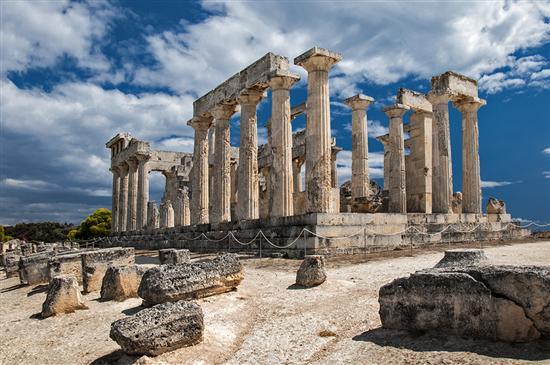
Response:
column 495, row 206
column 169, row 283
column 11, row 264
column 122, row 282
column 456, row 258
column 65, row 265
column 414, row 100
column 34, row 269
column 162, row 328
column 456, row 202
column 454, row 84
column 95, row 263
column 63, row 296
column 503, row 303
column 173, row 256
column 312, row 271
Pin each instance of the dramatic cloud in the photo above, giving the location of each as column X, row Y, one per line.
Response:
column 343, row 161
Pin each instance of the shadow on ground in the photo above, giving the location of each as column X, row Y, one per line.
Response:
column 38, row 289
column 420, row 342
column 115, row 358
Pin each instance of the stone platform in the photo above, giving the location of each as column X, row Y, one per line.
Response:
column 327, row 233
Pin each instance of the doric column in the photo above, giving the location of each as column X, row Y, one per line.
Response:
column 471, row 179
column 247, row 189
column 442, row 177
column 166, row 214
column 131, row 223
column 317, row 62
column 199, row 173
column 281, row 143
column 385, row 139
column 116, row 192
column 360, row 145
column 398, row 198
column 143, row 191
column 221, row 206
column 123, row 197
column 297, row 174
column 186, row 208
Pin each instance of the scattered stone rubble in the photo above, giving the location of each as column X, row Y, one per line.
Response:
column 63, row 296
column 122, row 282
column 174, row 256
column 164, row 327
column 505, row 303
column 95, row 263
column 495, row 206
column 169, row 283
column 312, row 271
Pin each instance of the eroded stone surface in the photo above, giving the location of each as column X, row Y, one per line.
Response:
column 164, row 327
column 495, row 206
column 174, row 256
column 122, row 282
column 169, row 283
column 312, row 271
column 63, row 296
column 506, row 303
column 95, row 263
column 461, row 257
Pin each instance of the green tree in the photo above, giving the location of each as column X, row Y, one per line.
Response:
column 97, row 224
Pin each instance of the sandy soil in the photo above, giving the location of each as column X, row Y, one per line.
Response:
column 267, row 320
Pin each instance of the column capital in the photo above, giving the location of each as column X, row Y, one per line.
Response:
column 384, row 139
column 251, row 96
column 469, row 104
column 123, row 167
column 223, row 111
column 142, row 157
column 114, row 169
column 359, row 101
column 317, row 59
column 435, row 98
column 200, row 122
column 132, row 162
column 396, row 110
column 280, row 79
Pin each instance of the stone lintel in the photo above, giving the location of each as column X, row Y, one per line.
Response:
column 317, row 52
column 297, row 110
column 415, row 100
column 454, row 85
column 384, row 139
column 228, row 91
column 117, row 138
column 359, row 101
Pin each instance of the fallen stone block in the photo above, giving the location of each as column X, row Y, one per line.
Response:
column 170, row 283
column 66, row 264
column 164, row 327
column 467, row 257
column 33, row 269
column 95, row 263
column 122, row 282
column 495, row 206
column 312, row 271
column 173, row 256
column 502, row 303
column 11, row 265
column 63, row 296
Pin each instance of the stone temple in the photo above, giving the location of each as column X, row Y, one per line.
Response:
column 251, row 197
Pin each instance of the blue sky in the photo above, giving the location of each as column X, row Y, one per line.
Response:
column 75, row 73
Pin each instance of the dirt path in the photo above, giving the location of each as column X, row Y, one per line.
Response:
column 266, row 321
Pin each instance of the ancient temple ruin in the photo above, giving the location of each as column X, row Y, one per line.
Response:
column 223, row 196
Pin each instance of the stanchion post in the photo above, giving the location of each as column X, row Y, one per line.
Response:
column 365, row 242
column 305, row 244
column 260, row 245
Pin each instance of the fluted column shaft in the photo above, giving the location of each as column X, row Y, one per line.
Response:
column 221, row 206
column 471, row 179
column 115, row 195
column 143, row 191
column 318, row 133
column 123, row 197
column 297, row 174
column 248, row 189
column 131, row 223
column 282, row 202
column 442, row 178
column 397, row 184
column 360, row 145
column 200, row 172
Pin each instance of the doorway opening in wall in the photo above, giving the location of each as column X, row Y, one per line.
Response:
column 157, row 183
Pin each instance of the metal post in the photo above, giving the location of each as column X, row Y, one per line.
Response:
column 260, row 245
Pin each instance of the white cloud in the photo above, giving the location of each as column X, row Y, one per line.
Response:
column 179, row 144
column 499, row 81
column 343, row 162
column 546, row 151
column 38, row 33
column 28, row 184
column 374, row 128
column 475, row 38
column 546, row 174
column 494, row 184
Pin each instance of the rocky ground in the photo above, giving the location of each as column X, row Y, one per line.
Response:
column 267, row 320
